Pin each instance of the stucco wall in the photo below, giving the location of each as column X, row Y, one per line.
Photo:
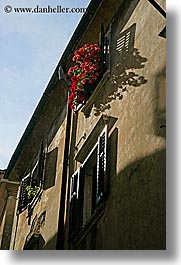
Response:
column 134, row 215
column 44, row 219
column 134, row 93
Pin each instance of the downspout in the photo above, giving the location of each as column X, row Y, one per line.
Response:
column 60, row 234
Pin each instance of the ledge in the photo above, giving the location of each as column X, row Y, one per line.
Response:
column 11, row 186
column 87, row 107
column 93, row 136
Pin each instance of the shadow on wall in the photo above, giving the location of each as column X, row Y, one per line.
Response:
column 34, row 239
column 140, row 201
column 35, row 243
column 136, row 207
column 123, row 77
column 160, row 107
column 135, row 215
column 51, row 244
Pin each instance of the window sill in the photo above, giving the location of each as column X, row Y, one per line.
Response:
column 87, row 107
column 86, row 229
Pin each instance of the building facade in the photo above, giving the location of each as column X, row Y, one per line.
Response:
column 94, row 178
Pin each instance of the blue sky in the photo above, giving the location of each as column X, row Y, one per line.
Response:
column 30, row 48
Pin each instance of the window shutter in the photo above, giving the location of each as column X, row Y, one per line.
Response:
column 76, row 193
column 101, row 165
column 106, row 51
column 34, row 176
column 23, row 197
column 104, row 43
column 102, row 47
column 32, row 179
column 75, row 185
column 37, row 172
column 41, row 164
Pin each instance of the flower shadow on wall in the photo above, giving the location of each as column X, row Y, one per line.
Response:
column 123, row 77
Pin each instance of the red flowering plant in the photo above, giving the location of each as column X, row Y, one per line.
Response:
column 84, row 74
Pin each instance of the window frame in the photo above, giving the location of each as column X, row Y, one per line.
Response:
column 23, row 195
column 104, row 44
column 80, row 194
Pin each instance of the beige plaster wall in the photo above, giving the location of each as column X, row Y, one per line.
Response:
column 44, row 219
column 135, row 210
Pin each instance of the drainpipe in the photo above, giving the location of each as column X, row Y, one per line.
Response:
column 60, row 234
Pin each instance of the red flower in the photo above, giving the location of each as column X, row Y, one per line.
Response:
column 86, row 45
column 83, row 75
column 73, row 87
column 81, row 51
column 76, row 58
column 75, row 78
column 96, row 73
column 71, row 98
column 70, row 70
column 86, row 70
column 75, row 67
column 83, row 81
column 81, row 86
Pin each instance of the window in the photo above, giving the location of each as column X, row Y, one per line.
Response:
column 104, row 44
column 88, row 185
column 31, row 184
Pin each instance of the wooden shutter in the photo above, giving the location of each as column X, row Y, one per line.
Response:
column 107, row 50
column 37, row 172
column 41, row 164
column 102, row 47
column 101, row 165
column 34, row 175
column 23, row 197
column 75, row 184
column 76, row 201
column 104, row 43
